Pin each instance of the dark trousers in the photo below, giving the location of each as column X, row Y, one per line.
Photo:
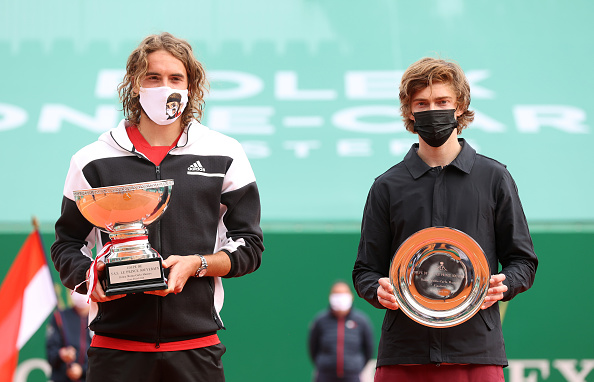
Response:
column 202, row 364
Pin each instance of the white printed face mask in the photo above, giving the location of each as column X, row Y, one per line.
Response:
column 341, row 302
column 163, row 105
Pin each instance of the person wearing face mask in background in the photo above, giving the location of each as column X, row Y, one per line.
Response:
column 442, row 181
column 211, row 228
column 67, row 339
column 340, row 339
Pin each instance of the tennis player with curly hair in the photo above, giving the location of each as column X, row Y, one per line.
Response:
column 210, row 231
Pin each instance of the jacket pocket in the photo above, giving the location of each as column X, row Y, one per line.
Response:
column 487, row 318
column 97, row 317
column 215, row 314
column 389, row 319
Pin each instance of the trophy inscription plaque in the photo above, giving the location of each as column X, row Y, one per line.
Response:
column 124, row 211
column 440, row 277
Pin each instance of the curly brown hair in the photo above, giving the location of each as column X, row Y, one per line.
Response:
column 426, row 72
column 137, row 66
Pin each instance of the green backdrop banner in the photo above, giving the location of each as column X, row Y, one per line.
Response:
column 310, row 90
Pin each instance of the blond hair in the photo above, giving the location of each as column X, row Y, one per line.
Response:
column 426, row 72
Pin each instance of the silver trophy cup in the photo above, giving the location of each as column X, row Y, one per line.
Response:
column 124, row 211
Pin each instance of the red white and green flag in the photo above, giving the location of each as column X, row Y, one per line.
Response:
column 27, row 298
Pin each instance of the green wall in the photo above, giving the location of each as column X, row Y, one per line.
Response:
column 267, row 313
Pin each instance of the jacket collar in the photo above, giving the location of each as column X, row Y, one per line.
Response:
column 118, row 136
column 417, row 168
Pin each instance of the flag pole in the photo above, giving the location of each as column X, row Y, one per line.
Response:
column 35, row 223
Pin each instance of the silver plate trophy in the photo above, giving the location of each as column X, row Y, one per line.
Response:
column 124, row 211
column 440, row 277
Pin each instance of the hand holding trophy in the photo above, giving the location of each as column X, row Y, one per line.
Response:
column 124, row 211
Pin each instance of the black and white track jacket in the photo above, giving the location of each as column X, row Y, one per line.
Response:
column 214, row 206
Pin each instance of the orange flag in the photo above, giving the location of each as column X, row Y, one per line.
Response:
column 27, row 298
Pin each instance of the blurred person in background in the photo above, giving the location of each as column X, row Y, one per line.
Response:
column 442, row 181
column 340, row 339
column 67, row 341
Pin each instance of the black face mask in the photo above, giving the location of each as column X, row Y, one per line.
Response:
column 435, row 126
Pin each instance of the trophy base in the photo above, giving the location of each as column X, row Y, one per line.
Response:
column 134, row 276
column 111, row 291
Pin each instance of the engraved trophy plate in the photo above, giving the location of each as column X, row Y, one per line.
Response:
column 124, row 211
column 440, row 277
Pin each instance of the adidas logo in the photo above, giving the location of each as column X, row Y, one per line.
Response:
column 196, row 167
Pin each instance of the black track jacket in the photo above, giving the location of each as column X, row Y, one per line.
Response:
column 214, row 206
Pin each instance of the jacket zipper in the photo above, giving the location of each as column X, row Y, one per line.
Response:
column 159, row 303
column 158, row 342
column 340, row 329
column 158, row 233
